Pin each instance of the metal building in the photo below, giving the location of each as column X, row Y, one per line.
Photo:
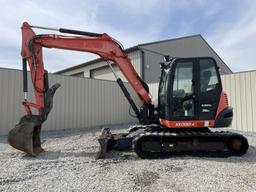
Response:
column 146, row 58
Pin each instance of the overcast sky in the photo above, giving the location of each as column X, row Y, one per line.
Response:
column 228, row 25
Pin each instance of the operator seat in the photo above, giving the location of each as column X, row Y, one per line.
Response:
column 205, row 80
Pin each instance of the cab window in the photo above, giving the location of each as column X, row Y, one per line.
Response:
column 183, row 90
column 208, row 75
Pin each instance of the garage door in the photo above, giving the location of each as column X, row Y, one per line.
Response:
column 105, row 73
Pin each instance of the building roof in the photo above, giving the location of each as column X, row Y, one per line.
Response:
column 137, row 47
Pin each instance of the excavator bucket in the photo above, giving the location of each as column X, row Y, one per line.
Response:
column 26, row 136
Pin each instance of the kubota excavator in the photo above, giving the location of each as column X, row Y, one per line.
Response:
column 190, row 101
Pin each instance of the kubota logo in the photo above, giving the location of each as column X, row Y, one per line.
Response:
column 185, row 124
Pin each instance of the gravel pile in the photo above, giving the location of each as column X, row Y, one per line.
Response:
column 69, row 165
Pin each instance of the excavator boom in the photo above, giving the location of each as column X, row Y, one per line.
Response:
column 102, row 45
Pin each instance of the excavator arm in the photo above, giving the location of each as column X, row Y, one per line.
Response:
column 26, row 135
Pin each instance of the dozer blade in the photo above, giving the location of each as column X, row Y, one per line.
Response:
column 103, row 141
column 26, row 136
column 109, row 141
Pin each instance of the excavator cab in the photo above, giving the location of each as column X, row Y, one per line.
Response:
column 190, row 93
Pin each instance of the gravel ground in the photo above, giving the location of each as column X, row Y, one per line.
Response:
column 69, row 165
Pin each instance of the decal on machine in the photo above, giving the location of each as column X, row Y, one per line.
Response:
column 185, row 124
column 206, row 105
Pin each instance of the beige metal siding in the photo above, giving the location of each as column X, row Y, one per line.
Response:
column 78, row 103
column 83, row 102
column 241, row 90
column 135, row 57
column 153, row 89
column 10, row 94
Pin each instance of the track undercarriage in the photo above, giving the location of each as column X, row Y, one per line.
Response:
column 159, row 142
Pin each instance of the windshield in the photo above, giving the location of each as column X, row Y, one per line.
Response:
column 163, row 91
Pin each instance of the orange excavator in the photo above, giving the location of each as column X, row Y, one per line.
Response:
column 190, row 101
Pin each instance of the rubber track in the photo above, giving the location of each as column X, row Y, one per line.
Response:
column 206, row 140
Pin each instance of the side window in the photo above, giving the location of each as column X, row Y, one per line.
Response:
column 208, row 75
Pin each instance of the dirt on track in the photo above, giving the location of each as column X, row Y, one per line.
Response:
column 69, row 164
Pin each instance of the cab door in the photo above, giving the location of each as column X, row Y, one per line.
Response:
column 209, row 88
column 183, row 93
